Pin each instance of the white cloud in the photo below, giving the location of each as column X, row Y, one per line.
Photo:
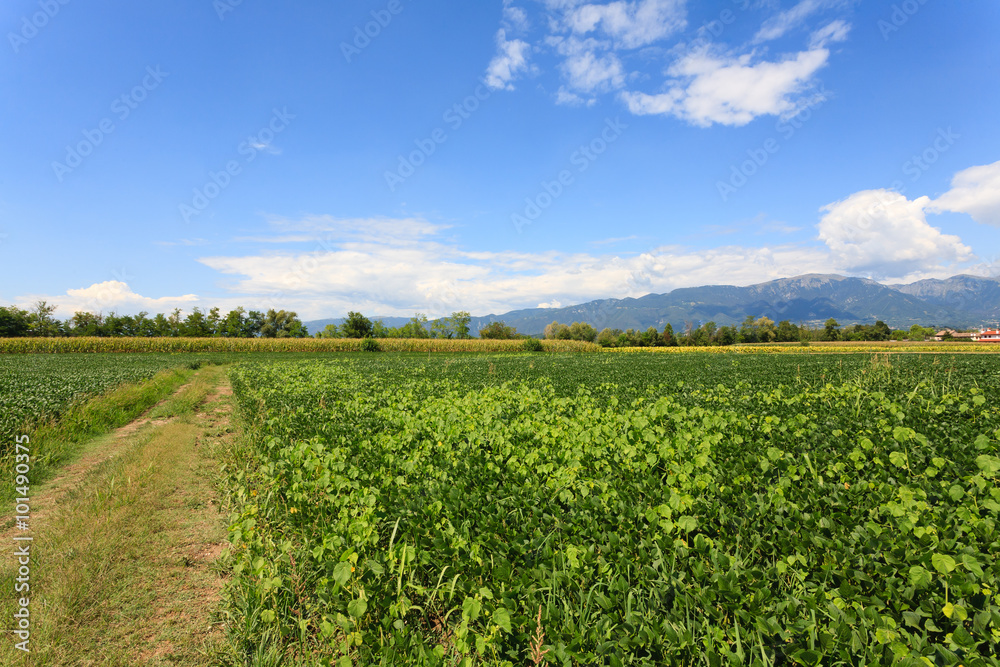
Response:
column 778, row 25
column 111, row 295
column 515, row 17
column 601, row 46
column 587, row 69
column 510, row 62
column 883, row 233
column 729, row 90
column 629, row 24
column 975, row 191
column 833, row 32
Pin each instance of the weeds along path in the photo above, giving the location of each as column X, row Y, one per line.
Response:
column 126, row 539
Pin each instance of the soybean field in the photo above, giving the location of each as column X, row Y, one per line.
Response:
column 34, row 388
column 616, row 510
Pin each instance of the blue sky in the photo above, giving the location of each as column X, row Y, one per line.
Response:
column 402, row 156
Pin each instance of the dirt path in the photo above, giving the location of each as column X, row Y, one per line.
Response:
column 97, row 451
column 126, row 541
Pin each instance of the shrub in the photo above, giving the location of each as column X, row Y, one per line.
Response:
column 533, row 345
column 370, row 345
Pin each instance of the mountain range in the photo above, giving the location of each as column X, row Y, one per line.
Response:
column 961, row 301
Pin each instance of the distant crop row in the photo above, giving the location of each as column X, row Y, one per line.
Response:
column 388, row 518
column 57, row 345
column 238, row 345
column 822, row 348
column 34, row 389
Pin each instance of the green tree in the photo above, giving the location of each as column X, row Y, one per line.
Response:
column 460, row 321
column 40, row 320
column 668, row 336
column 582, row 331
column 607, row 338
column 13, row 322
column 356, row 326
column 787, row 332
column 497, row 331
column 881, row 331
column 214, row 322
column 234, row 324
column 748, row 330
column 726, row 335
column 254, row 323
column 415, row 328
column 831, row 331
column 555, row 331
column 767, row 332
column 195, row 325
column 331, row 331
column 282, row 324
column 442, row 328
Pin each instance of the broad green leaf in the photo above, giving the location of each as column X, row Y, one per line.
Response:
column 502, row 618
column 471, row 608
column 897, row 459
column 990, row 465
column 972, row 565
column 687, row 523
column 357, row 608
column 942, row 563
column 341, row 573
column 919, row 577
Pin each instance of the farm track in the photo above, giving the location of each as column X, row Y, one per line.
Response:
column 126, row 539
column 99, row 450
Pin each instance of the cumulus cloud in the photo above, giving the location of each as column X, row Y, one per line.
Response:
column 437, row 278
column 111, row 295
column 510, row 62
column 884, row 233
column 976, row 192
column 729, row 90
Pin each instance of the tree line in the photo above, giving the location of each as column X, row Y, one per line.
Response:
column 752, row 330
column 239, row 323
column 457, row 326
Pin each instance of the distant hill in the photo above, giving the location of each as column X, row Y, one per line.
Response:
column 961, row 301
